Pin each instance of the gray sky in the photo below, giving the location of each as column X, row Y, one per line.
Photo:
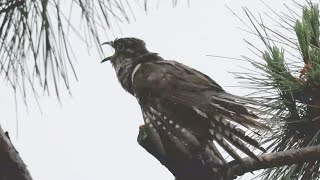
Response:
column 93, row 134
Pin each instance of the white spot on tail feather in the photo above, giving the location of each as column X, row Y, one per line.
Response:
column 215, row 170
column 218, row 136
column 222, row 108
column 144, row 114
column 153, row 110
column 217, row 117
column 249, row 117
column 201, row 113
column 227, row 132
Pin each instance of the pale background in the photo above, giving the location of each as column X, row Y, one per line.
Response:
column 92, row 135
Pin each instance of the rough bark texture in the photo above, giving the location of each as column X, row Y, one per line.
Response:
column 186, row 168
column 11, row 165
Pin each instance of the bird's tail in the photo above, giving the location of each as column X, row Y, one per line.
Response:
column 225, row 133
column 225, row 111
column 235, row 108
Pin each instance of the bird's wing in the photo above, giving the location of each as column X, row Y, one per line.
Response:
column 179, row 84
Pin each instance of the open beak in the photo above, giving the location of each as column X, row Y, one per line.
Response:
column 110, row 43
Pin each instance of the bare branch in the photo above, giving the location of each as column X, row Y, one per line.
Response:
column 289, row 157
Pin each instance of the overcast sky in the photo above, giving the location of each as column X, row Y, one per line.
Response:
column 93, row 134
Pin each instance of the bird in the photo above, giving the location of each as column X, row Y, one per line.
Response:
column 184, row 105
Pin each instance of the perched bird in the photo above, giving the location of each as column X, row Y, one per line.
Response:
column 182, row 104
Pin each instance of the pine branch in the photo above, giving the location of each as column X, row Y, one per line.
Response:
column 270, row 160
column 10, row 5
column 289, row 73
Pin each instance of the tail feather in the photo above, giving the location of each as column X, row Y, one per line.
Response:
column 245, row 100
column 238, row 133
column 256, row 123
column 244, row 105
column 219, row 139
column 217, row 152
column 234, row 140
column 244, row 121
column 212, row 158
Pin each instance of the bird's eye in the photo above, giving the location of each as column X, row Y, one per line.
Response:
column 120, row 47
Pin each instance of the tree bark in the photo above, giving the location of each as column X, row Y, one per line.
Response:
column 11, row 164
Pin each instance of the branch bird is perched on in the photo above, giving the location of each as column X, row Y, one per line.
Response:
column 181, row 103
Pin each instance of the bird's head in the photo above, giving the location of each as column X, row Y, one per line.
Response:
column 126, row 48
